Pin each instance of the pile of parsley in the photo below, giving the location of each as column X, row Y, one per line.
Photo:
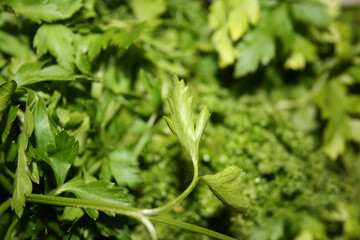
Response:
column 267, row 147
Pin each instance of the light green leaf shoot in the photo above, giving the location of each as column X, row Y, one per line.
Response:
column 230, row 19
column 181, row 121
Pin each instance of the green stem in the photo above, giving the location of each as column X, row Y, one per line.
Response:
column 172, row 203
column 149, row 226
column 4, row 206
column 9, row 173
column 10, row 229
column 96, row 205
column 190, row 227
column 83, row 203
column 123, row 210
column 6, row 184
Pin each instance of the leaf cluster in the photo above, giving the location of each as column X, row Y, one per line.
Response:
column 83, row 86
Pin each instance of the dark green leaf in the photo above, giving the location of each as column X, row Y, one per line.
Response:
column 33, row 170
column 22, row 181
column 33, row 73
column 6, row 91
column 9, row 121
column 98, row 190
column 43, row 133
column 61, row 156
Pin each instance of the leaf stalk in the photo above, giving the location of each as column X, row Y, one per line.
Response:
column 135, row 213
column 174, row 202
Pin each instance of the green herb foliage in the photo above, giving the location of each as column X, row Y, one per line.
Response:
column 86, row 154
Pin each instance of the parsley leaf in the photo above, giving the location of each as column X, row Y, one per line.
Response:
column 332, row 100
column 16, row 47
column 125, row 39
column 124, row 168
column 43, row 132
column 181, row 121
column 230, row 20
column 6, row 90
column 98, row 190
column 226, row 189
column 310, row 13
column 31, row 73
column 9, row 121
column 257, row 48
column 57, row 39
column 145, row 10
column 61, row 155
column 51, row 10
column 22, row 181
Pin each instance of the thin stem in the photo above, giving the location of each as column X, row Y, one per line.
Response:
column 190, row 227
column 149, row 226
column 4, row 206
column 123, row 210
column 172, row 203
column 83, row 203
column 6, row 184
column 10, row 229
column 9, row 172
column 96, row 205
